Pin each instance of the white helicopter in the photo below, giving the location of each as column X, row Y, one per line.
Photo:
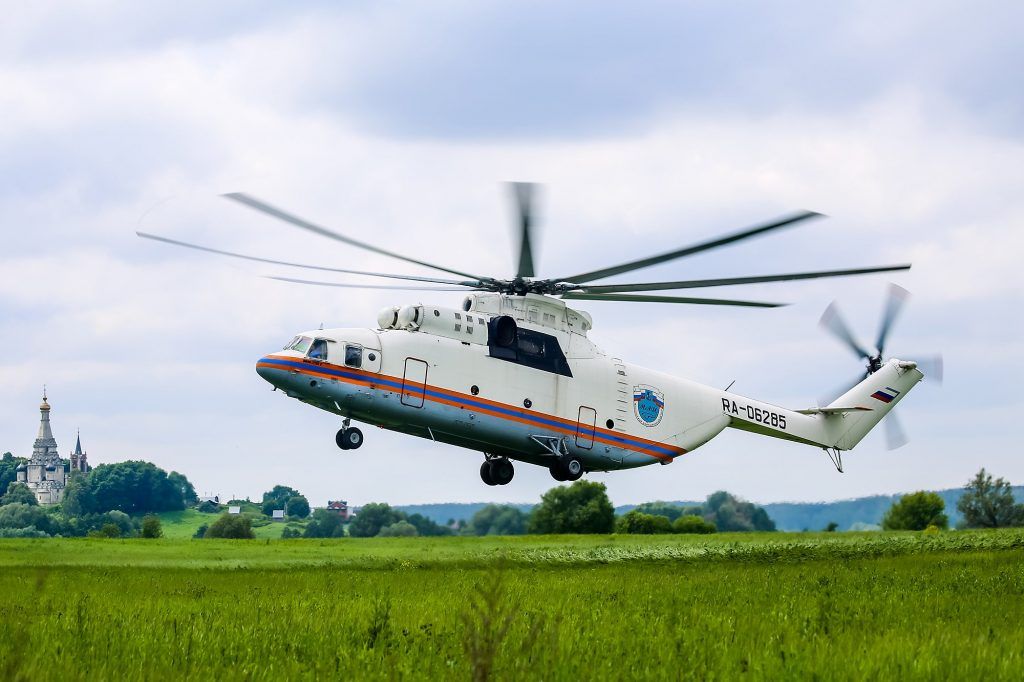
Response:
column 513, row 374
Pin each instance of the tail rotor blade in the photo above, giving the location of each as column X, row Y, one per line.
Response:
column 829, row 398
column 931, row 366
column 895, row 437
column 897, row 298
column 523, row 193
column 833, row 322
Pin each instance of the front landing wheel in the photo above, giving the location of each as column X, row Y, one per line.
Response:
column 349, row 439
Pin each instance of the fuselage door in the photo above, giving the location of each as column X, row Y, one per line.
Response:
column 414, row 382
column 585, row 427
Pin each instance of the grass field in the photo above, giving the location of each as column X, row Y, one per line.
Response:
column 846, row 606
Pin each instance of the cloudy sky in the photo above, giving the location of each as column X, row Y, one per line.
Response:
column 651, row 127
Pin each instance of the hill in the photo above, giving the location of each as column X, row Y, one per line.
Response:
column 861, row 513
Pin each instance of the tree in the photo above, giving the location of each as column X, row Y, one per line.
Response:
column 298, row 506
column 78, row 496
column 151, row 527
column 497, row 519
column 277, row 497
column 201, row 531
column 916, row 511
column 832, row 527
column 18, row 492
column 427, row 526
column 989, row 504
column 20, row 515
column 231, row 526
column 9, row 469
column 371, row 518
column 638, row 523
column 692, row 523
column 188, row 491
column 324, row 524
column 208, row 507
column 288, row 533
column 729, row 513
column 399, row 529
column 582, row 507
column 133, row 487
column 669, row 511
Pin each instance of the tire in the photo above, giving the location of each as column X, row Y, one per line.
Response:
column 572, row 469
column 502, row 471
column 556, row 473
column 485, row 473
column 339, row 439
column 353, row 438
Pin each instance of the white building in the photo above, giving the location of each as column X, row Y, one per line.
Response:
column 45, row 474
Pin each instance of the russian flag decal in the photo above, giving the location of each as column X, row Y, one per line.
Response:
column 886, row 396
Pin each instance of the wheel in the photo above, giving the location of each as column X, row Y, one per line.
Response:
column 339, row 438
column 353, row 438
column 502, row 471
column 570, row 469
column 485, row 473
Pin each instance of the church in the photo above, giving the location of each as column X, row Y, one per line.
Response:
column 46, row 474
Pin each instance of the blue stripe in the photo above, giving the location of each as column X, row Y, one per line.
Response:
column 378, row 379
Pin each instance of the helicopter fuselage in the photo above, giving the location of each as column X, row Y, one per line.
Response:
column 535, row 390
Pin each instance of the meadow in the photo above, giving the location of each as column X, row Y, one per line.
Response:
column 837, row 606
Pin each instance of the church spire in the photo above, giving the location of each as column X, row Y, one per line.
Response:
column 78, row 443
column 44, row 450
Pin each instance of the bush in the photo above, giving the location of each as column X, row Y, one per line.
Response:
column 208, row 507
column 582, row 507
column 151, row 527
column 19, row 515
column 325, row 524
column 372, row 517
column 19, row 493
column 201, row 531
column 399, row 529
column 639, row 523
column 228, row 526
column 916, row 511
column 289, row 533
column 30, row 532
column 496, row 519
column 691, row 523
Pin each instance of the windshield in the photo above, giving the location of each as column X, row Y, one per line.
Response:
column 301, row 344
column 291, row 343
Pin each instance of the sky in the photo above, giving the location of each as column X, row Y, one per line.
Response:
column 650, row 125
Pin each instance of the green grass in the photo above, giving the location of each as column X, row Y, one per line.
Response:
column 833, row 606
column 183, row 525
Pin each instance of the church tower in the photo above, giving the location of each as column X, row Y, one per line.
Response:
column 44, row 474
column 79, row 459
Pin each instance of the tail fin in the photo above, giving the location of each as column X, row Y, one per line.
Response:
column 858, row 410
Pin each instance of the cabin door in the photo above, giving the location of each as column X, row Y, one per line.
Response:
column 414, row 382
column 585, row 427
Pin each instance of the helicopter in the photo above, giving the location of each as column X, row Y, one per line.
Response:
column 513, row 374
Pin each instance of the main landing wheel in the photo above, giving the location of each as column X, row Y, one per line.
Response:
column 485, row 473
column 497, row 471
column 349, row 439
column 567, row 469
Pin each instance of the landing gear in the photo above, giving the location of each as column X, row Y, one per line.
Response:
column 497, row 471
column 349, row 438
column 567, row 469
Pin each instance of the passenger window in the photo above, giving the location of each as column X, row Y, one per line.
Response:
column 319, row 350
column 354, row 356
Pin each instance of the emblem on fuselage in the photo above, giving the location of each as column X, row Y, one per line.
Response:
column 648, row 404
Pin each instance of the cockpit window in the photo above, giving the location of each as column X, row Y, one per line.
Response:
column 291, row 343
column 301, row 344
column 353, row 356
column 318, row 351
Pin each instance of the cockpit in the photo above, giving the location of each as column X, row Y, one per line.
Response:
column 338, row 352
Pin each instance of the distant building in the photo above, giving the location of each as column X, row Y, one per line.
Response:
column 79, row 459
column 339, row 507
column 234, row 510
column 209, row 498
column 277, row 515
column 45, row 474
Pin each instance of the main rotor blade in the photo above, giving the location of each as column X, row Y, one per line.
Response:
column 669, row 299
column 689, row 250
column 897, row 297
column 522, row 193
column 323, row 268
column 258, row 205
column 895, row 436
column 729, row 281
column 833, row 321
column 362, row 286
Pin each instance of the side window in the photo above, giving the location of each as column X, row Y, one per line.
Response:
column 318, row 351
column 353, row 356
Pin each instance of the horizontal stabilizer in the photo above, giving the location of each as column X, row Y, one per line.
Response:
column 833, row 410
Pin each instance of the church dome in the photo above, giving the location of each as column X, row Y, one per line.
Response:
column 44, row 406
column 21, row 467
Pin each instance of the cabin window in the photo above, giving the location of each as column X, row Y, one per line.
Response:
column 318, row 351
column 353, row 355
column 302, row 344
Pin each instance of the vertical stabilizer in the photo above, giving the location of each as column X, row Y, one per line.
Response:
column 878, row 393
